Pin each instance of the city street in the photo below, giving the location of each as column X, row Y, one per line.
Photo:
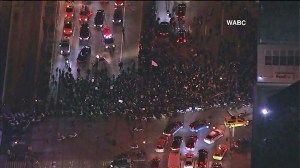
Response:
column 94, row 148
column 126, row 46
column 99, row 141
column 23, row 51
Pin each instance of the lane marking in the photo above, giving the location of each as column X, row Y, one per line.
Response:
column 122, row 40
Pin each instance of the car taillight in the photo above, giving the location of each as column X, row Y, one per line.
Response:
column 184, row 40
column 167, row 33
column 160, row 33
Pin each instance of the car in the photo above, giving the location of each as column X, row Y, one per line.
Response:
column 213, row 136
column 199, row 125
column 189, row 161
column 235, row 121
column 155, row 163
column 181, row 9
column 119, row 3
column 181, row 36
column 118, row 16
column 172, row 128
column 175, row 146
column 69, row 12
column 99, row 18
column 220, row 152
column 68, row 28
column 84, row 14
column 164, row 29
column 160, row 147
column 65, row 47
column 84, row 33
column 121, row 162
column 190, row 145
column 216, row 165
column 103, row 1
column 202, row 159
column 107, row 37
column 106, row 32
column 84, row 53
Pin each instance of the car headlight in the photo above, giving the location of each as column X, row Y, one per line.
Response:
column 94, row 25
column 80, row 38
column 120, row 20
column 72, row 15
column 113, row 45
column 106, row 46
column 66, row 15
column 64, row 31
column 85, row 19
column 61, row 51
column 113, row 20
column 71, row 31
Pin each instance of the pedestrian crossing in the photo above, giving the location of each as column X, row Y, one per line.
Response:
column 16, row 164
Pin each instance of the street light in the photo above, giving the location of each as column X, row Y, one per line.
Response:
column 265, row 111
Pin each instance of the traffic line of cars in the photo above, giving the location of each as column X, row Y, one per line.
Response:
column 198, row 125
column 164, row 27
column 84, row 33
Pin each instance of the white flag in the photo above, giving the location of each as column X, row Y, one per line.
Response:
column 153, row 63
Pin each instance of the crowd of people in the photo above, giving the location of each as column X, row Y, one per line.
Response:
column 175, row 84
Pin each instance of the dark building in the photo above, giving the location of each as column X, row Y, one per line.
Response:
column 275, row 128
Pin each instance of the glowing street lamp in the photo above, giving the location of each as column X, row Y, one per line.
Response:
column 265, row 111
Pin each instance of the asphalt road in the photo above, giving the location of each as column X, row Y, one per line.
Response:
column 23, row 51
column 126, row 47
column 89, row 151
column 5, row 11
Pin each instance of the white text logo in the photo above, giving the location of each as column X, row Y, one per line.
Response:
column 236, row 22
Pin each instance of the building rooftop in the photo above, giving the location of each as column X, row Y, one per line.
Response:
column 284, row 18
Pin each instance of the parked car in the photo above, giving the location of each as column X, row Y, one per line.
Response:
column 181, row 10
column 69, row 12
column 202, row 158
column 84, row 14
column 220, row 152
column 199, row 125
column 118, row 16
column 213, row 136
column 164, row 29
column 176, row 143
column 235, row 121
column 189, row 161
column 190, row 145
column 65, row 47
column 99, row 18
column 160, row 147
column 84, row 53
column 172, row 128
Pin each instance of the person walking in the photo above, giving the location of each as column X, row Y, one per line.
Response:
column 123, row 31
column 121, row 65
